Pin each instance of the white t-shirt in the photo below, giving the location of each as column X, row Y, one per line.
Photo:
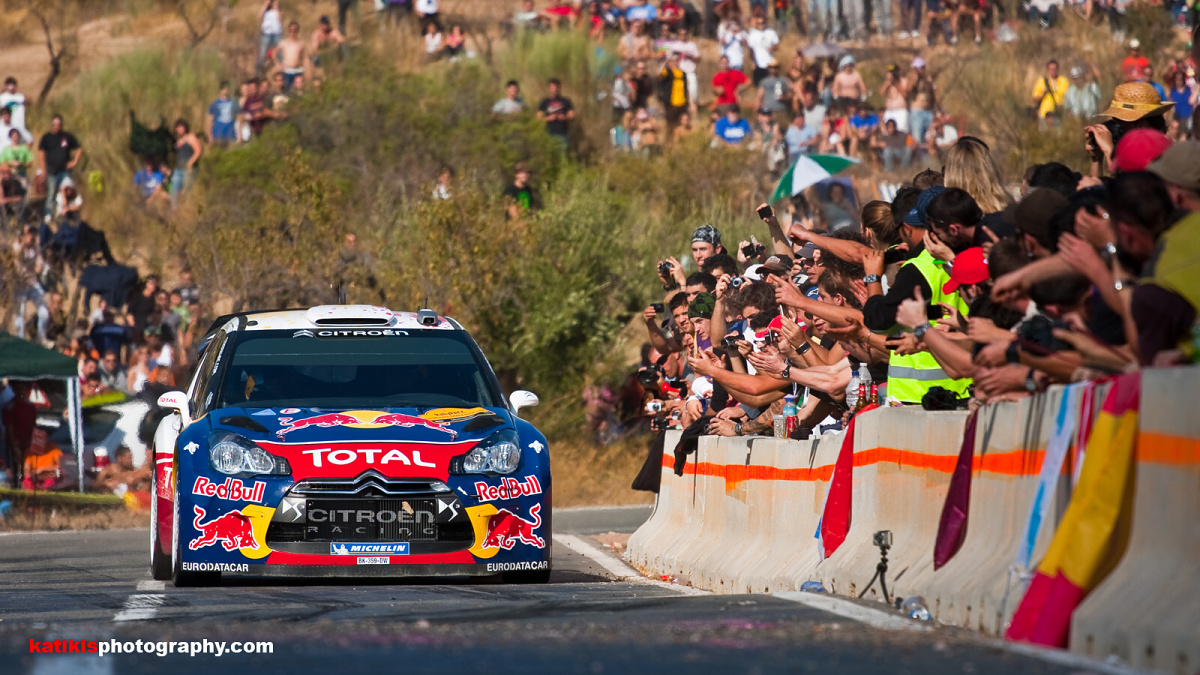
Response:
column 731, row 47
column 427, row 6
column 760, row 43
column 272, row 22
column 164, row 358
column 5, row 141
column 17, row 101
column 433, row 43
column 948, row 137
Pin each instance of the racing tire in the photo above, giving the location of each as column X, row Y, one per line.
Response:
column 526, row 577
column 160, row 563
column 180, row 578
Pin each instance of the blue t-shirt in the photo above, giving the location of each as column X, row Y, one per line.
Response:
column 222, row 111
column 147, row 182
column 646, row 12
column 732, row 134
column 861, row 122
column 798, row 140
column 1162, row 93
column 1183, row 106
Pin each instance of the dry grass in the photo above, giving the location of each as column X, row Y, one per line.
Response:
column 49, row 518
column 587, row 474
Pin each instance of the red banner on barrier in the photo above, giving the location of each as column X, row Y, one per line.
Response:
column 952, row 528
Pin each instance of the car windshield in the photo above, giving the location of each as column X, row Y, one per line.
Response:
column 410, row 369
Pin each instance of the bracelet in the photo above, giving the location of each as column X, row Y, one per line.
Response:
column 804, row 349
column 920, row 331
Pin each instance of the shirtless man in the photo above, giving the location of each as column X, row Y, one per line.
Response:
column 324, row 37
column 848, row 85
column 290, row 53
column 895, row 95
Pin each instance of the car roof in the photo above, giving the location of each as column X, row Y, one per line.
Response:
column 334, row 317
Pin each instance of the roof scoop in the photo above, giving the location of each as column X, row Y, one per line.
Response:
column 350, row 316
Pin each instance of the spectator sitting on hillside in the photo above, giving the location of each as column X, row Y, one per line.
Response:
column 442, row 189
column 433, row 40
column 512, row 103
column 606, row 18
column 51, row 320
column 455, row 42
column 16, row 155
column 12, row 192
column 26, row 282
column 189, row 292
column 526, row 17
column 68, row 203
column 122, row 475
column 1045, row 12
column 640, row 10
column 731, row 128
column 800, row 138
column 324, row 38
column 7, row 124
column 560, row 13
column 149, row 182
column 1083, row 98
column 15, row 100
column 895, row 147
column 942, row 136
column 519, row 195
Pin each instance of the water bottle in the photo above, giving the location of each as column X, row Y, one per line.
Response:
column 812, row 587
column 789, row 415
column 915, row 608
column 852, row 390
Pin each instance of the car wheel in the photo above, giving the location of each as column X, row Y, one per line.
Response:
column 160, row 563
column 526, row 577
column 180, row 578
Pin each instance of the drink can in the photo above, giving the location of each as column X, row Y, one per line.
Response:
column 780, row 426
column 789, row 426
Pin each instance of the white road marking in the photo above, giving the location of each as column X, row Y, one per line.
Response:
column 140, row 607
column 875, row 618
column 1064, row 658
column 617, row 567
column 149, row 585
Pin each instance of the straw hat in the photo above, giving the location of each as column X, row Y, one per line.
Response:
column 1134, row 100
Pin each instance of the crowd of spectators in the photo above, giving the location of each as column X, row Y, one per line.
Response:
column 957, row 292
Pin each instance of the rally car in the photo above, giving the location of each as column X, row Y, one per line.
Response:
column 347, row 441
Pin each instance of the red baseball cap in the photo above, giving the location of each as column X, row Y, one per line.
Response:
column 1138, row 148
column 970, row 267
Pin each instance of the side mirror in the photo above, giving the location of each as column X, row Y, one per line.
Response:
column 522, row 399
column 177, row 401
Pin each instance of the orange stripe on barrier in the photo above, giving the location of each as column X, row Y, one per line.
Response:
column 1155, row 448
column 1014, row 463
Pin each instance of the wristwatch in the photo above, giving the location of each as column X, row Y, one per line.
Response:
column 737, row 429
column 1109, row 250
column 1031, row 384
column 786, row 373
column 803, row 348
column 1122, row 285
column 871, row 279
column 920, row 331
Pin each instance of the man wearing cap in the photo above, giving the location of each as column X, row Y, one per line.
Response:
column 1137, row 149
column 774, row 92
column 1132, row 65
column 911, row 377
column 1083, row 97
column 700, row 313
column 1179, row 167
column 848, row 85
column 731, row 128
column 922, row 97
column 1135, row 105
column 969, row 278
column 706, row 242
column 762, row 42
column 1031, row 218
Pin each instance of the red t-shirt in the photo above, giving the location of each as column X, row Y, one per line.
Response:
column 728, row 83
column 1133, row 65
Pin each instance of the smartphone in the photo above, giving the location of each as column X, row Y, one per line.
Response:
column 934, row 312
column 748, row 250
column 765, row 212
column 658, row 308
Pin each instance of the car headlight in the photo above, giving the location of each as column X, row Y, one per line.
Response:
column 231, row 455
column 498, row 453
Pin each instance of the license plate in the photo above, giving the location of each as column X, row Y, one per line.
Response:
column 374, row 560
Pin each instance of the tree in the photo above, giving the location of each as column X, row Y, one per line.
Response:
column 200, row 16
column 59, row 25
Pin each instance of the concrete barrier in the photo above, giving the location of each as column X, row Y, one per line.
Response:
column 1147, row 611
column 744, row 515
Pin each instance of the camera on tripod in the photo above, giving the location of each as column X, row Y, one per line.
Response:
column 883, row 539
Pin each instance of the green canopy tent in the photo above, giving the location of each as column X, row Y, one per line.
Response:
column 23, row 360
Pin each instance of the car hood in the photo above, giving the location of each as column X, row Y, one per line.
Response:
column 315, row 425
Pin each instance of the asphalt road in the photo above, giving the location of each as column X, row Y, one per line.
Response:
column 95, row 586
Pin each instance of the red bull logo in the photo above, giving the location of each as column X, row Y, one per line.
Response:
column 232, row 489
column 509, row 488
column 232, row 529
column 506, row 528
column 363, row 419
